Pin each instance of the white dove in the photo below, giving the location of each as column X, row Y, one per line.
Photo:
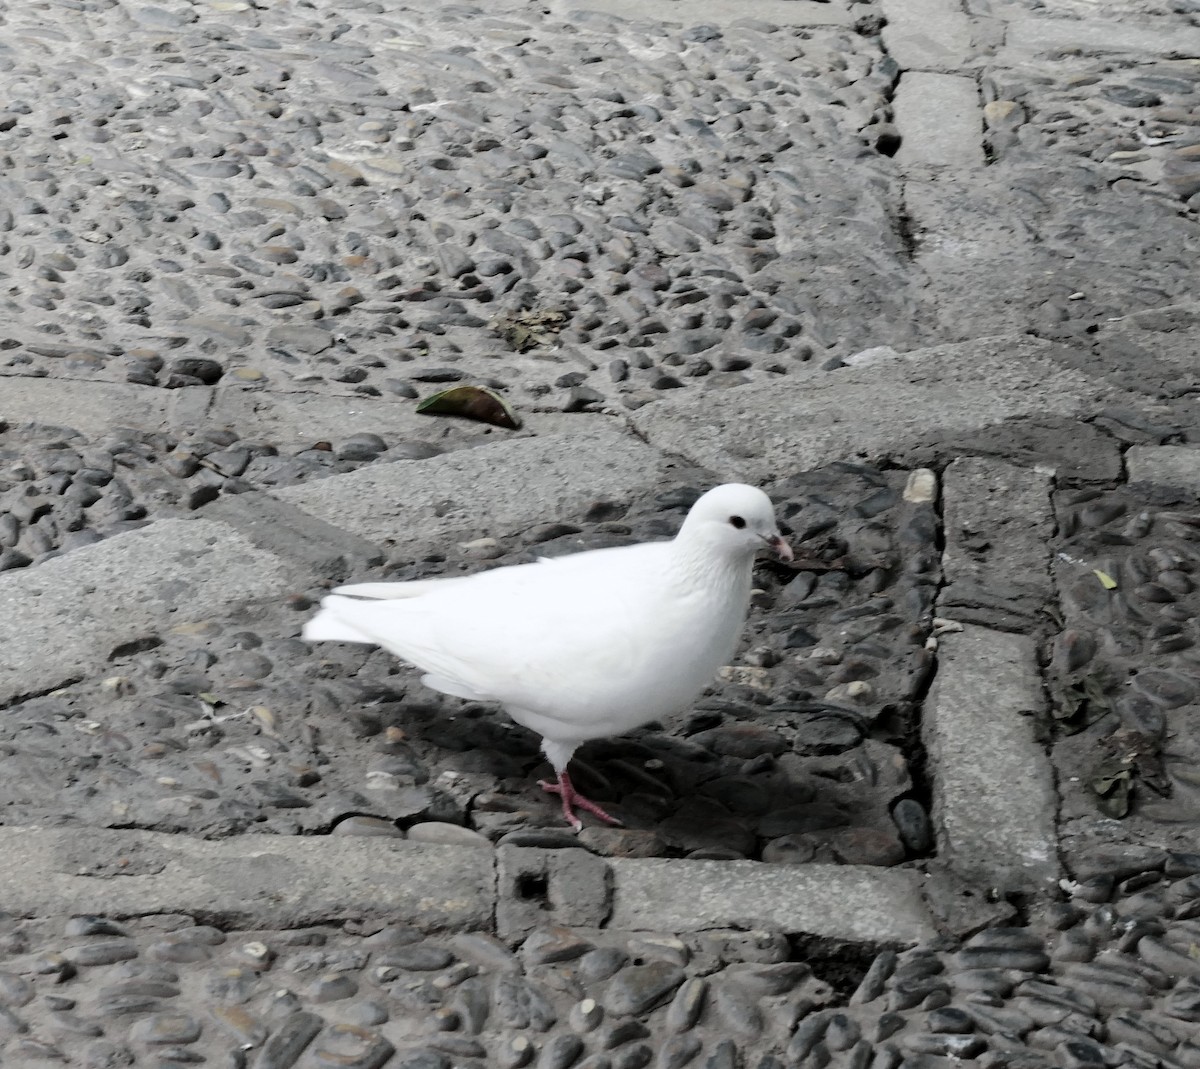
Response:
column 583, row 646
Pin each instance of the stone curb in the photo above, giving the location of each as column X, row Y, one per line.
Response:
column 92, row 408
column 994, row 797
column 495, row 489
column 255, row 881
column 998, row 525
column 260, row 881
column 866, row 412
column 994, row 800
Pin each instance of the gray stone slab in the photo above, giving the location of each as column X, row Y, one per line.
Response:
column 494, row 489
column 1170, row 334
column 92, row 408
column 1040, row 36
column 760, row 431
column 994, row 800
column 998, row 522
column 320, row 548
column 302, row 418
column 714, row 12
column 66, row 616
column 940, row 119
column 880, row 906
column 927, row 34
column 255, row 881
column 985, row 274
column 1167, row 465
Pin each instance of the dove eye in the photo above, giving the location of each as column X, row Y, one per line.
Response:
column 737, row 522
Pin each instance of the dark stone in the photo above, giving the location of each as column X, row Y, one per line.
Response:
column 200, row 368
column 913, row 825
column 638, row 988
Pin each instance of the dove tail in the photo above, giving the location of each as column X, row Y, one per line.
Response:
column 387, row 591
column 328, row 626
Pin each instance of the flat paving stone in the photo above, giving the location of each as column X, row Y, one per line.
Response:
column 67, row 616
column 717, row 12
column 997, row 525
column 927, row 34
column 838, row 901
column 285, row 418
column 92, row 408
column 940, row 121
column 994, row 798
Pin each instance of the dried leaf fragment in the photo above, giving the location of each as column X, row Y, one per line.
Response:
column 527, row 330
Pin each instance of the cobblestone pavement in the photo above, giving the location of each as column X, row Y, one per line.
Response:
column 924, row 271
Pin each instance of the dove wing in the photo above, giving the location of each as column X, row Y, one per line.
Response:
column 542, row 636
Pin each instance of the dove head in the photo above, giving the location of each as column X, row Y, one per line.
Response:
column 737, row 519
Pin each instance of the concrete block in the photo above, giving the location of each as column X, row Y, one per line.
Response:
column 1167, row 465
column 494, row 489
column 766, row 430
column 64, row 617
column 535, row 887
column 1040, row 36
column 252, row 881
column 998, row 523
column 940, row 119
column 850, row 902
column 713, row 12
column 927, row 34
column 994, row 796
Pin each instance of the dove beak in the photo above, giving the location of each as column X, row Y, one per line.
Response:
column 779, row 547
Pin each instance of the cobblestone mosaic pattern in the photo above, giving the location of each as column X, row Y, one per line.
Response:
column 801, row 751
column 1123, row 670
column 1111, row 984
column 60, row 490
column 356, row 197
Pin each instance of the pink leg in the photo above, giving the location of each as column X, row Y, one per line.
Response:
column 572, row 798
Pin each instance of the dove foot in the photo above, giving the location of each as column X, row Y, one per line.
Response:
column 572, row 798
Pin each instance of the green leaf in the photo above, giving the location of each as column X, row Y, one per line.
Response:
column 472, row 402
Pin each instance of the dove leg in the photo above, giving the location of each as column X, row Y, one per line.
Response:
column 571, row 799
column 560, row 756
